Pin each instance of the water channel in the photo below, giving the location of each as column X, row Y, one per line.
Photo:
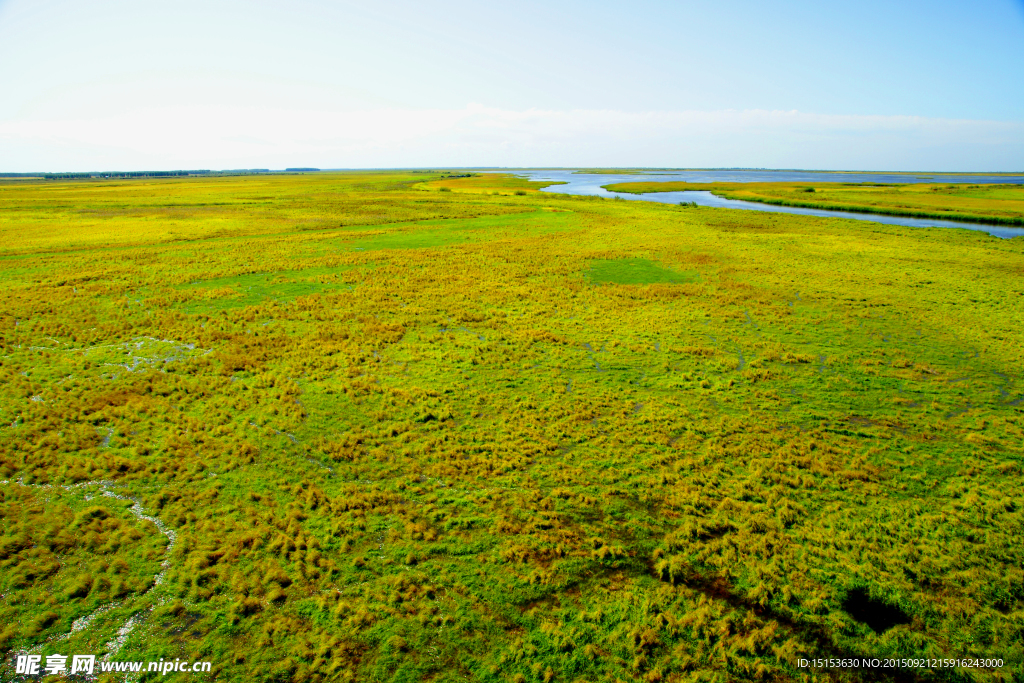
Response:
column 591, row 184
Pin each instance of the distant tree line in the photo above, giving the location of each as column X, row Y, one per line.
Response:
column 120, row 174
column 294, row 170
column 136, row 174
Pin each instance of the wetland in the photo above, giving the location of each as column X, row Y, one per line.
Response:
column 399, row 426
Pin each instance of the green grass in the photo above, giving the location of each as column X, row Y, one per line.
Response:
column 633, row 271
column 242, row 291
column 428, row 234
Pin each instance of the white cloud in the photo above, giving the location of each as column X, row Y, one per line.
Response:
column 236, row 137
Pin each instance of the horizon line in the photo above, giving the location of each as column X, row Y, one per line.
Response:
column 297, row 169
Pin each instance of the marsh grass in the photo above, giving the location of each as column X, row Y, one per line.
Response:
column 450, row 436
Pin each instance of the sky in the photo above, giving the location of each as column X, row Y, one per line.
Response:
column 89, row 85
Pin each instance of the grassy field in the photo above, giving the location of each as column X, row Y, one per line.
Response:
column 1002, row 204
column 382, row 427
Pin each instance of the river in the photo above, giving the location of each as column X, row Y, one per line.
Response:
column 590, row 184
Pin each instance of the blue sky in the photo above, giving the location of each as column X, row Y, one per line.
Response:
column 111, row 84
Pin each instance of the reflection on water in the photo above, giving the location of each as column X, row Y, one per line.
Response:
column 590, row 184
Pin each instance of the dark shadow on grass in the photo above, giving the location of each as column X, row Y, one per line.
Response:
column 879, row 615
column 819, row 640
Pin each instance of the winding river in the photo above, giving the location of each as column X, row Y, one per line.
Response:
column 591, row 184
